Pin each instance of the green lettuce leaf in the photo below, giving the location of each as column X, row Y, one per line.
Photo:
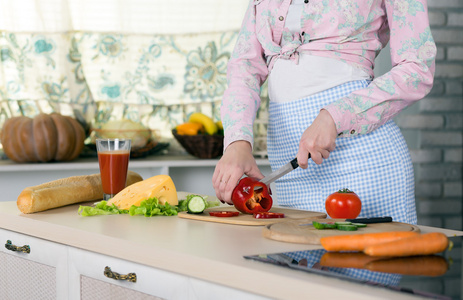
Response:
column 101, row 208
column 151, row 207
column 147, row 208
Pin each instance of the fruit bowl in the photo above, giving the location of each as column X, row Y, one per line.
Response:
column 201, row 145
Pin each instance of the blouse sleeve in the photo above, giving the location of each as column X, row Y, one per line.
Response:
column 246, row 72
column 413, row 53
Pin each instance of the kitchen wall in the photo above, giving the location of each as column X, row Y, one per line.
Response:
column 433, row 126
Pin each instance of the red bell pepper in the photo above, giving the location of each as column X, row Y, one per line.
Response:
column 268, row 215
column 251, row 196
column 224, row 214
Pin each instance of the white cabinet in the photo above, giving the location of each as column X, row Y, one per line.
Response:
column 88, row 279
column 38, row 274
column 87, row 275
column 55, row 271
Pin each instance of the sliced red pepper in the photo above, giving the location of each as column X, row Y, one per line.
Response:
column 223, row 214
column 251, row 196
column 268, row 215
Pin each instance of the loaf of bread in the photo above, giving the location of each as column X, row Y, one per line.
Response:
column 65, row 191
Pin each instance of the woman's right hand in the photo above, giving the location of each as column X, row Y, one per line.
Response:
column 235, row 162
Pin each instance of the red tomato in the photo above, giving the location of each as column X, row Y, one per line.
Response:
column 343, row 204
column 224, row 214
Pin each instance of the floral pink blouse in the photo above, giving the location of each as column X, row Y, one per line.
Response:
column 353, row 31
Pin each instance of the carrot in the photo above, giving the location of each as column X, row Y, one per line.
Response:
column 356, row 260
column 358, row 242
column 429, row 265
column 422, row 244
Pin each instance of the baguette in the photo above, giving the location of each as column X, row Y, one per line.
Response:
column 65, row 191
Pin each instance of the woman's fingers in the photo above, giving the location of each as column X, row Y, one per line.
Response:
column 227, row 186
column 303, row 158
column 236, row 161
column 319, row 139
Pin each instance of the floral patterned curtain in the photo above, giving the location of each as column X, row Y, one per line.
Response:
column 116, row 59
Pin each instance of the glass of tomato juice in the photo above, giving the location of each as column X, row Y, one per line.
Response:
column 113, row 157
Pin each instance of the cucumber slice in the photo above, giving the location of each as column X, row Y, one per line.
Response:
column 318, row 225
column 347, row 227
column 343, row 223
column 330, row 225
column 196, row 205
column 359, row 225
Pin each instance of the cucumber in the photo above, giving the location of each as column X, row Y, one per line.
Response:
column 318, row 225
column 196, row 205
column 347, row 227
column 330, row 225
column 343, row 223
column 359, row 225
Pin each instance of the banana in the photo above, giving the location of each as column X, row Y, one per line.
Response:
column 208, row 123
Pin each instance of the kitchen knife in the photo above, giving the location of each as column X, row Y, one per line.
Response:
column 362, row 220
column 370, row 220
column 280, row 172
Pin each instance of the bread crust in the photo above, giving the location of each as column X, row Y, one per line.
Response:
column 65, row 191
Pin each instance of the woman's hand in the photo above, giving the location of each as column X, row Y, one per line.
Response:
column 236, row 161
column 319, row 139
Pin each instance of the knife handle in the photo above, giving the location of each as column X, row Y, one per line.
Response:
column 370, row 220
column 295, row 164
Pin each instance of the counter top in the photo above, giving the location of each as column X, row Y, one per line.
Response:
column 205, row 250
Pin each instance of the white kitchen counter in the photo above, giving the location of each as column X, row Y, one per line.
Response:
column 208, row 251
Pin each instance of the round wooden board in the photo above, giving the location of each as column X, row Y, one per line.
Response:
column 244, row 219
column 302, row 231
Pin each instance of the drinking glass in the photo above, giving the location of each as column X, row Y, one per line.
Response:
column 113, row 157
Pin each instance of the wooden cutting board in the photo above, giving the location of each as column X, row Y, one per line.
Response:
column 297, row 231
column 244, row 219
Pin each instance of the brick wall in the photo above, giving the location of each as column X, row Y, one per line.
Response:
column 433, row 127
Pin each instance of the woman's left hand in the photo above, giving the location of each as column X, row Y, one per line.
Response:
column 319, row 139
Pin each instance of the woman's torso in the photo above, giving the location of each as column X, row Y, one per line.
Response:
column 291, row 80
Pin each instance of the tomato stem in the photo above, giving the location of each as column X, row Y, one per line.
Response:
column 345, row 190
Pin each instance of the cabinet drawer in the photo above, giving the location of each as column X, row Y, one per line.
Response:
column 39, row 274
column 87, row 267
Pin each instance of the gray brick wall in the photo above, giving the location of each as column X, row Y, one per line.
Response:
column 433, row 127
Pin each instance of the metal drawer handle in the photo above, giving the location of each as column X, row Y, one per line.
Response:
column 132, row 277
column 24, row 249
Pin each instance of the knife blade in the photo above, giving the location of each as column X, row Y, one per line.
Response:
column 285, row 169
column 371, row 220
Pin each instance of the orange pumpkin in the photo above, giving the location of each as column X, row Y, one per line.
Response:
column 46, row 137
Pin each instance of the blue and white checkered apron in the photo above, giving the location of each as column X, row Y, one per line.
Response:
column 376, row 166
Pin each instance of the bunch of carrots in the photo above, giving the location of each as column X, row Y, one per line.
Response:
column 404, row 252
column 388, row 244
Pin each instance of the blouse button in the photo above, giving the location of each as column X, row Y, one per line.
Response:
column 352, row 131
column 281, row 18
